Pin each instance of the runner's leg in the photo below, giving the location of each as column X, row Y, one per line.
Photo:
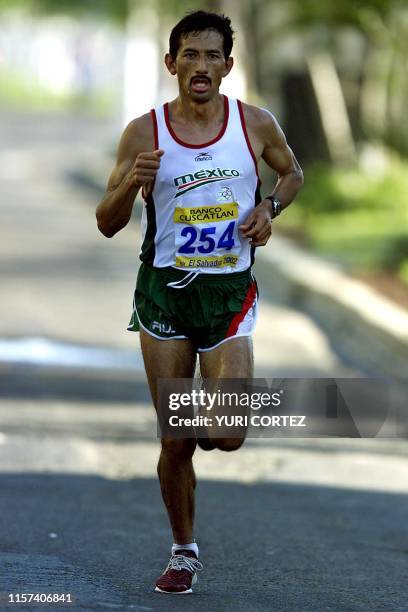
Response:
column 173, row 359
column 232, row 359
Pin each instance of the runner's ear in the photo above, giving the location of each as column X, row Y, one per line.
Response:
column 170, row 64
column 228, row 66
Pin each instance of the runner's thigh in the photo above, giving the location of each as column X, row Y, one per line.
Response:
column 166, row 359
column 232, row 359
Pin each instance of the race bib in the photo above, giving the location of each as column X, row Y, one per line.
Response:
column 207, row 236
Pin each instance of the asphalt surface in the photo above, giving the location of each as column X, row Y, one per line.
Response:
column 286, row 525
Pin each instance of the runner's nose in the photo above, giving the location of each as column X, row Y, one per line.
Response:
column 201, row 68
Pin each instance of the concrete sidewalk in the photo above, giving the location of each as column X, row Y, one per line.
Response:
column 363, row 325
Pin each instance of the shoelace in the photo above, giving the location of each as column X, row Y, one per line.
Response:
column 180, row 562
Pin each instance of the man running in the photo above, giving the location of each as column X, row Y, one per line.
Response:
column 196, row 161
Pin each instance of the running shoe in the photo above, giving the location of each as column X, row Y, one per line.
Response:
column 180, row 573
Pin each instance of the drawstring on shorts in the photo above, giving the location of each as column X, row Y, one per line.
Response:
column 183, row 282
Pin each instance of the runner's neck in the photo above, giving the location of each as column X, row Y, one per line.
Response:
column 184, row 112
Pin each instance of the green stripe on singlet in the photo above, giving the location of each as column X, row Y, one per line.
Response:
column 148, row 250
column 258, row 200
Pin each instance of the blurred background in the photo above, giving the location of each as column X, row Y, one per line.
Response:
column 81, row 505
column 335, row 75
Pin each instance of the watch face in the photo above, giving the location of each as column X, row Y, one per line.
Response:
column 276, row 207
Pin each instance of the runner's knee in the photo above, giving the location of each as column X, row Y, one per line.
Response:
column 182, row 448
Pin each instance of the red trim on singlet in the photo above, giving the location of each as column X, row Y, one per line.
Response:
column 155, row 129
column 145, row 192
column 197, row 146
column 244, row 129
column 247, row 304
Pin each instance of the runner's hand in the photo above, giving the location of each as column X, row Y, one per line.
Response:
column 145, row 168
column 257, row 226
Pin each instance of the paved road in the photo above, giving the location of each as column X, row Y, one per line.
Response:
column 283, row 525
column 317, row 524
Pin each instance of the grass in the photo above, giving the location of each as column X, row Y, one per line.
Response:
column 23, row 94
column 357, row 219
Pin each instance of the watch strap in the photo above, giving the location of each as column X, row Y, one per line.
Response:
column 276, row 206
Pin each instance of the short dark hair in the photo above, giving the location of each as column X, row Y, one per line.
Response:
column 198, row 21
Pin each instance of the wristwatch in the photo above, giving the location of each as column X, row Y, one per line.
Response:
column 276, row 205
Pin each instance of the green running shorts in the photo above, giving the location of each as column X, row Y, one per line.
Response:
column 208, row 309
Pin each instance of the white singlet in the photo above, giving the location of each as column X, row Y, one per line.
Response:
column 201, row 194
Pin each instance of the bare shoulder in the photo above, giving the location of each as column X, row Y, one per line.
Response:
column 137, row 137
column 262, row 123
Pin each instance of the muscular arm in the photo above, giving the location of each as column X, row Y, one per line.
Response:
column 279, row 156
column 134, row 168
column 269, row 143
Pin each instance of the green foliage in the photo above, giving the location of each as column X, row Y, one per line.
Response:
column 19, row 93
column 330, row 189
column 117, row 10
column 354, row 218
column 334, row 13
column 403, row 271
column 176, row 9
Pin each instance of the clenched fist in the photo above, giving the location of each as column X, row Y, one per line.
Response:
column 145, row 168
column 257, row 226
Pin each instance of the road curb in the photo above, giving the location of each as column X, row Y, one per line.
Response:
column 365, row 326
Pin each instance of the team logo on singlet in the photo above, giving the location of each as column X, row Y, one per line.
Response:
column 225, row 195
column 206, row 156
column 186, row 182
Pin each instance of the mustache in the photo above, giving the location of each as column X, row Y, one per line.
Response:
column 202, row 78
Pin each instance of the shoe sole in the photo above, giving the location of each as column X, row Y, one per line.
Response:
column 157, row 590
column 194, row 580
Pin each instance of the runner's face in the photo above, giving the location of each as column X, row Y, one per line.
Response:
column 200, row 65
